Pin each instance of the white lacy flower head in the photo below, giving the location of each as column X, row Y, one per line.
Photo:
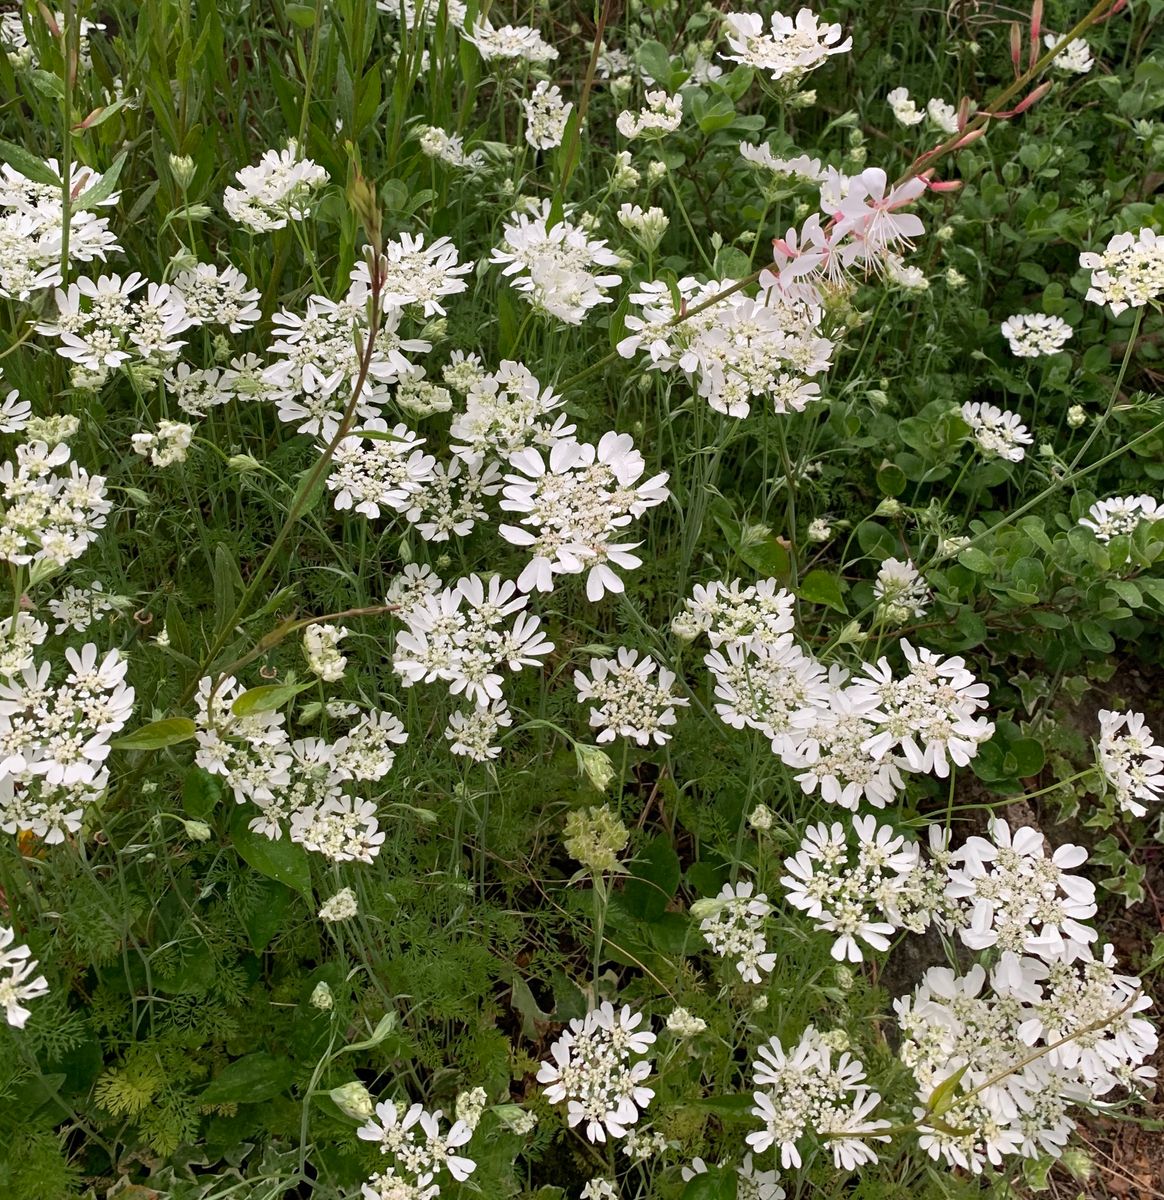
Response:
column 1128, row 273
column 732, row 614
column 1074, row 58
column 737, row 350
column 449, row 503
column 449, row 148
column 769, row 688
column 419, row 1147
column 555, row 267
column 599, row 1067
column 790, row 51
column 799, row 168
column 54, row 739
column 510, row 42
column 546, row 116
column 278, row 189
column 14, row 412
column 1015, row 896
column 321, row 649
column 1131, row 761
column 573, row 503
column 734, row 928
column 102, row 324
column 903, row 108
column 470, row 1106
column 750, row 1183
column 424, row 14
column 506, row 411
column 928, row 714
column 851, row 894
column 1032, row 335
column 32, row 227
column 996, row 433
column 48, row 517
column 464, row 635
column 1120, row 515
column 414, row 583
column 901, row 590
column 662, row 115
column 218, row 296
column 802, row 1093
column 942, row 115
column 647, row 226
column 628, row 698
column 413, row 273
column 167, row 445
column 379, row 469
column 20, row 634
column 826, row 744
column 16, row 982
column 684, row 1024
column 599, row 1189
column 341, row 907
column 472, row 733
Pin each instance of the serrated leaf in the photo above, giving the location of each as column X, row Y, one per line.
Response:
column 157, row 735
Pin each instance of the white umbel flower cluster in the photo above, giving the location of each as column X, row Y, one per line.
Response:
column 732, row 614
column 901, row 591
column 1128, row 272
column 167, row 445
column 54, row 739
column 732, row 924
column 464, row 635
column 321, row 650
column 1131, row 761
column 803, row 1093
column 472, row 733
column 449, row 148
column 421, row 1151
column 559, row 268
column 16, row 982
column 1075, row 58
column 792, row 49
column 573, row 504
column 599, row 1067
column 996, row 433
column 628, row 698
column 32, row 224
column 1121, row 515
column 510, row 43
column 507, row 410
column 278, row 189
column 379, row 469
column 736, row 351
column 1034, row 335
column 662, row 115
column 546, row 116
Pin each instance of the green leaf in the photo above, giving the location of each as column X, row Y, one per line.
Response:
column 267, row 698
column 283, row 861
column 943, row 1096
column 28, row 164
column 891, row 480
column 718, row 1183
column 975, row 560
column 302, row 14
column 201, row 791
column 655, row 875
column 263, row 921
column 823, row 587
column 105, row 188
column 157, row 735
column 654, row 59
column 247, row 1080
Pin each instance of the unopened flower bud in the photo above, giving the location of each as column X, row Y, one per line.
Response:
column 1076, row 415
column 761, row 817
column 183, row 169
column 197, row 831
column 889, row 507
column 243, row 463
column 322, row 998
column 594, row 766
column 353, row 1100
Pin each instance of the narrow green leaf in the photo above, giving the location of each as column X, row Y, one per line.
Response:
column 267, row 698
column 28, row 164
column 157, row 735
column 103, row 190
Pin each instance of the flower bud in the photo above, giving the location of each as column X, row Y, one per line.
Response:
column 183, row 169
column 353, row 1100
column 322, row 998
column 594, row 766
column 197, row 831
column 243, row 463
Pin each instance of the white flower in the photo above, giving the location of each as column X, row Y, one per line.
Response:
column 278, row 189
column 555, row 267
column 1074, row 58
column 546, row 116
column 574, row 503
column 449, row 148
column 943, row 115
column 1128, row 273
column 770, row 688
column 851, row 898
column 901, row 590
column 1032, row 335
column 996, row 433
column 627, row 701
column 1016, row 897
column 168, row 445
column 424, row 13
column 598, row 1066
column 646, row 227
column 731, row 614
column 510, row 42
column 750, row 1183
column 449, row 502
column 470, row 1107
column 599, row 1189
column 683, row 1024
column 321, row 649
column 369, row 474
column 1120, row 515
column 416, row 1142
column 472, row 733
column 413, row 273
column 663, row 115
column 214, row 296
column 790, row 51
column 77, row 609
column 733, row 928
column 1130, row 760
column 802, row 1093
column 341, row 907
column 801, row 167
column 904, row 109
column 16, row 986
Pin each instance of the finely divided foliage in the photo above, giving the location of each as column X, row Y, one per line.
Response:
column 595, row 572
